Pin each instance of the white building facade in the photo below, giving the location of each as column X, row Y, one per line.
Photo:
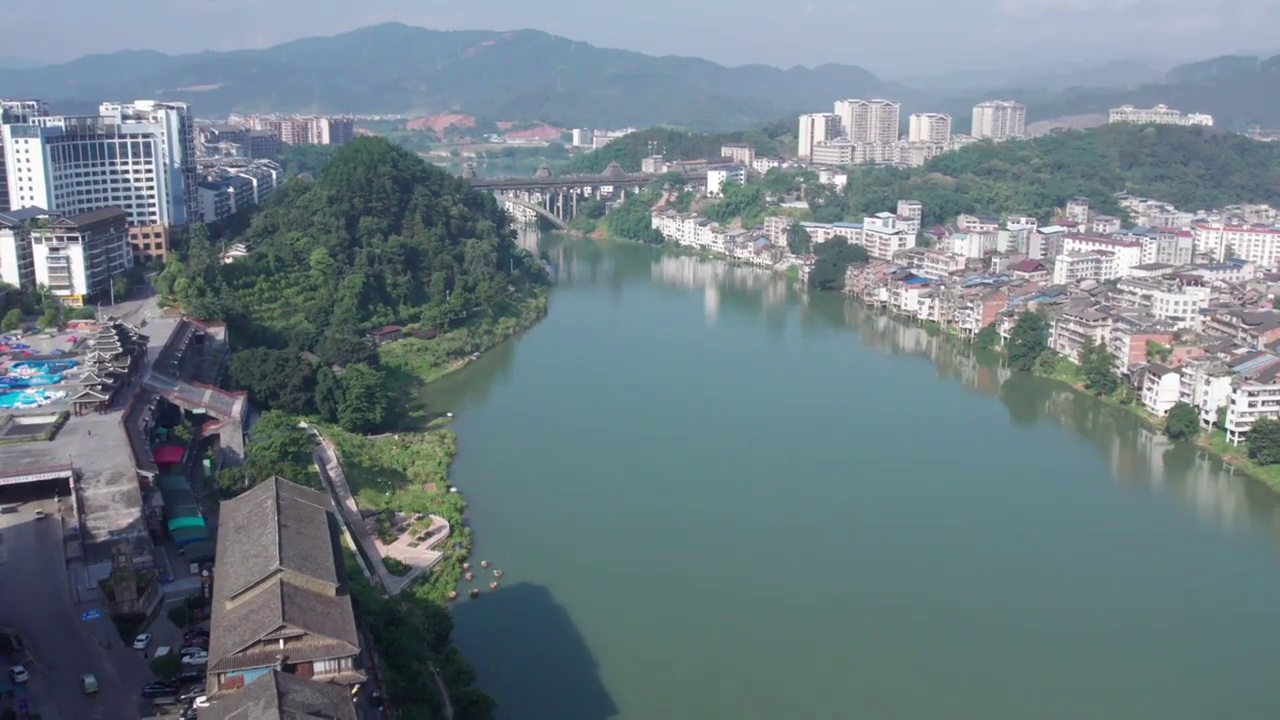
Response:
column 999, row 120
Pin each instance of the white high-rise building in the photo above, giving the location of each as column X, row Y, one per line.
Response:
column 816, row 128
column 929, row 127
column 999, row 120
column 15, row 111
column 138, row 156
column 872, row 121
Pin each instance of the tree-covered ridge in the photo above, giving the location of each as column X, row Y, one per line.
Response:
column 1193, row 168
column 629, row 150
column 380, row 237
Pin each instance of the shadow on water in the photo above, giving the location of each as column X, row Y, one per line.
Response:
column 530, row 656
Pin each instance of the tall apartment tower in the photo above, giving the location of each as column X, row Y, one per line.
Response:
column 137, row 156
column 929, row 127
column 816, row 128
column 869, row 121
column 15, row 111
column 999, row 120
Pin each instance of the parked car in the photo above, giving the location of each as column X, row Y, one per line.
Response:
column 195, row 636
column 18, row 674
column 193, row 650
column 192, row 675
column 89, row 683
column 40, row 514
column 160, row 689
column 201, row 701
column 200, row 658
column 194, row 692
column 142, row 641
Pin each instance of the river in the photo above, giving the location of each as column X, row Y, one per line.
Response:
column 713, row 496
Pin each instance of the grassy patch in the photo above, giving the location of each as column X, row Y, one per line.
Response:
column 395, row 567
column 1238, row 457
column 410, row 363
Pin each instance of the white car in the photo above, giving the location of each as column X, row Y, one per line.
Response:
column 200, row 702
column 19, row 674
column 200, row 658
column 40, row 514
column 142, row 641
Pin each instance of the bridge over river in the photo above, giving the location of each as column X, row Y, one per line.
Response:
column 555, row 197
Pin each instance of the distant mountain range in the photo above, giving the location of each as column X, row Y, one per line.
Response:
column 528, row 75
column 8, row 62
column 1120, row 73
column 394, row 68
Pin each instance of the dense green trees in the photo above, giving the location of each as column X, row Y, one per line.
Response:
column 799, row 241
column 1193, row 168
column 275, row 379
column 1097, row 366
column 833, row 258
column 363, row 404
column 11, row 320
column 1028, row 339
column 378, row 238
column 737, row 200
column 1182, row 422
column 628, row 151
column 988, row 337
column 276, row 446
column 1264, row 442
column 632, row 220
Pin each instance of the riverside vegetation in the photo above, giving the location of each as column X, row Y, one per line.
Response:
column 378, row 237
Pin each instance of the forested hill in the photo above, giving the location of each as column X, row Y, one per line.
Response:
column 772, row 140
column 380, row 237
column 1193, row 168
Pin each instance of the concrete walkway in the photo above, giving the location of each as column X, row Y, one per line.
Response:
column 326, row 459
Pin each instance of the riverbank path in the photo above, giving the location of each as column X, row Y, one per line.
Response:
column 326, row 459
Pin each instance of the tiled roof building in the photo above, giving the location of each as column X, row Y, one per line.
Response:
column 279, row 597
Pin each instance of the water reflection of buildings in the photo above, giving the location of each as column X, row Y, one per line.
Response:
column 712, row 276
column 527, row 236
column 1135, row 453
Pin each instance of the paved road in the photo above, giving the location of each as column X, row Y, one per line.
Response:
column 35, row 599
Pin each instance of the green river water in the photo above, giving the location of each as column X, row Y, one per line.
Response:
column 713, row 496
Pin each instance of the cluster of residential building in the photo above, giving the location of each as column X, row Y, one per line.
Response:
column 300, row 129
column 1158, row 115
column 231, row 185
column 883, row 235
column 85, row 197
column 1182, row 300
column 1187, row 312
column 862, row 132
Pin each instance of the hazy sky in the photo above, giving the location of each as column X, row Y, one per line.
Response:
column 893, row 39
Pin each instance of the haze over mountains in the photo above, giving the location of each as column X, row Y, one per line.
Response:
column 528, row 75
